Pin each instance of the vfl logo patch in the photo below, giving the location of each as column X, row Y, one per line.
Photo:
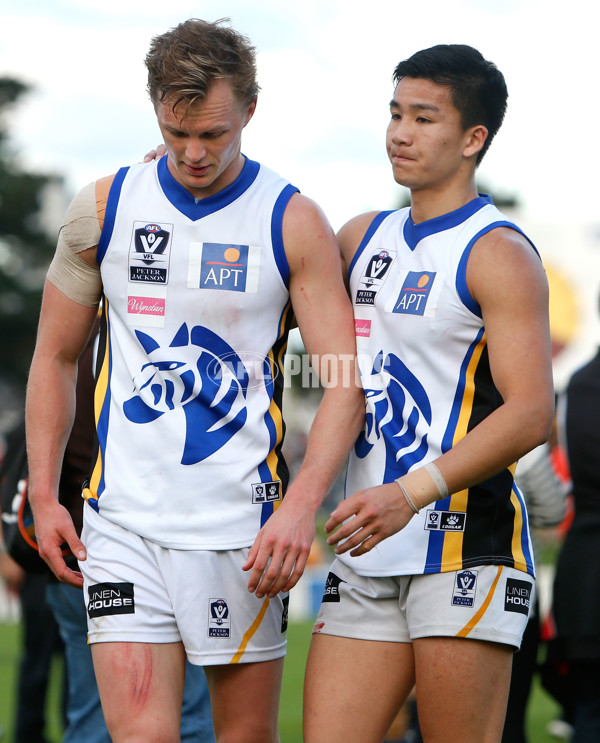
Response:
column 224, row 266
column 285, row 614
column 465, row 587
column 518, row 596
column 150, row 253
column 219, row 624
column 183, row 376
column 445, row 520
column 331, row 594
column 373, row 277
column 266, row 492
column 415, row 292
column 105, row 599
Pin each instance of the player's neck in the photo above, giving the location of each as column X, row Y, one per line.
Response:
column 428, row 204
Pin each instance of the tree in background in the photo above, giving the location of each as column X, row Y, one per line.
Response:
column 26, row 248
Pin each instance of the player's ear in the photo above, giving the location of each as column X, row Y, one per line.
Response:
column 250, row 111
column 475, row 138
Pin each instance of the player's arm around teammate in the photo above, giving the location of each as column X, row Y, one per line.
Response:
column 324, row 315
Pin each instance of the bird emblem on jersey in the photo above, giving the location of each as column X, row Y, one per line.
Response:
column 397, row 409
column 197, row 373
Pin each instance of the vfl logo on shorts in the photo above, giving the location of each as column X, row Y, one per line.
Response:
column 445, row 520
column 150, row 253
column 105, row 599
column 331, row 594
column 465, row 586
column 518, row 596
column 266, row 492
column 219, row 624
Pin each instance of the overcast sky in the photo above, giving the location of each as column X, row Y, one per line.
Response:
column 325, row 70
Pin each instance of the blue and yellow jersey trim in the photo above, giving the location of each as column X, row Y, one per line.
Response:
column 496, row 529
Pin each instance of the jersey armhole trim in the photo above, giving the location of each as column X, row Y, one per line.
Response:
column 277, row 232
column 371, row 229
column 461, row 273
column 111, row 211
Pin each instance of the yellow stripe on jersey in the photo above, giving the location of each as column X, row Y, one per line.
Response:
column 250, row 632
column 100, row 394
column 517, row 544
column 453, row 541
column 483, row 608
column 275, row 410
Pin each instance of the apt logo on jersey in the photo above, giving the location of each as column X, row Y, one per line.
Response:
column 233, row 268
column 150, row 253
column 219, row 623
column 373, row 277
column 266, row 492
column 331, row 594
column 105, row 599
column 445, row 520
column 181, row 377
column 518, row 596
column 465, row 587
column 417, row 294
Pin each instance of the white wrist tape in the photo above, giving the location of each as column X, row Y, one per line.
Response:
column 409, row 500
column 438, row 479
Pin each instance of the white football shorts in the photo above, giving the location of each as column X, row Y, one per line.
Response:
column 489, row 602
column 136, row 591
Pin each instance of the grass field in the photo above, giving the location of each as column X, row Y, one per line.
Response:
column 541, row 710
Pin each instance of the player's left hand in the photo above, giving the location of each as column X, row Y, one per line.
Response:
column 155, row 154
column 278, row 556
column 374, row 514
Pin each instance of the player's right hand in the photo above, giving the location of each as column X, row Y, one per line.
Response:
column 53, row 528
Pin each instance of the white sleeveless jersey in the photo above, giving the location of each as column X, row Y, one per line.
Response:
column 196, row 313
column 424, row 367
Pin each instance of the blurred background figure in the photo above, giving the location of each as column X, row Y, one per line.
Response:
column 40, row 639
column 544, row 494
column 576, row 602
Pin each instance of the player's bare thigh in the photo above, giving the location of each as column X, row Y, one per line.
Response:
column 244, row 699
column 462, row 689
column 354, row 688
column 141, row 690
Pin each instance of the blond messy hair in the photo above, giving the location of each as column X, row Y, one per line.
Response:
column 183, row 63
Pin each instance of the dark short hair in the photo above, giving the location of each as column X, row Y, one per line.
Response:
column 183, row 62
column 477, row 86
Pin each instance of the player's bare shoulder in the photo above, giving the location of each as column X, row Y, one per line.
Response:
column 351, row 234
column 307, row 233
column 504, row 260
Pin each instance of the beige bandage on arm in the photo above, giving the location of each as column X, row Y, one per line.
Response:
column 423, row 486
column 80, row 231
